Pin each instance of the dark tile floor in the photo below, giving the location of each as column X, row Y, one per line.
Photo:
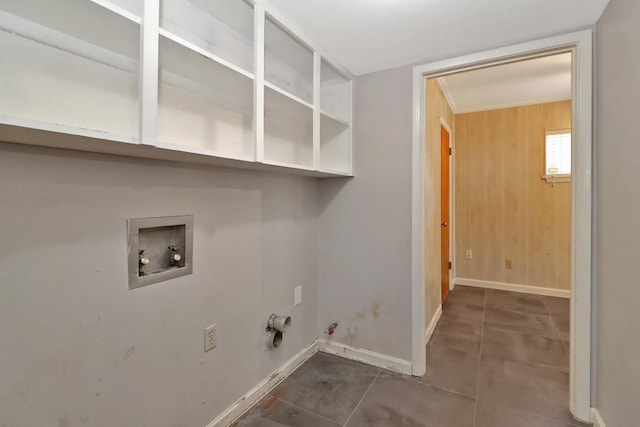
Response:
column 496, row 359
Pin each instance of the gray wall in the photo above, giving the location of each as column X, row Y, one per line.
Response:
column 364, row 254
column 78, row 348
column 618, row 214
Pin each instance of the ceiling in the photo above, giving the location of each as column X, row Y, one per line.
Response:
column 373, row 35
column 533, row 81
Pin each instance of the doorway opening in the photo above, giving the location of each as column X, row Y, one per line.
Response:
column 580, row 47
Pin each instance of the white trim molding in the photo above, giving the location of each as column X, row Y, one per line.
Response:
column 514, row 287
column 596, row 419
column 240, row 406
column 365, row 356
column 580, row 44
column 432, row 325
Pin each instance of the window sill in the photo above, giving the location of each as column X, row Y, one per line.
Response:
column 557, row 178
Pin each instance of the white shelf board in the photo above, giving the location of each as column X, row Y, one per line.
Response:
column 62, row 137
column 203, row 52
column 287, row 94
column 203, row 152
column 288, row 165
column 119, row 10
column 335, row 119
column 15, row 129
column 335, row 172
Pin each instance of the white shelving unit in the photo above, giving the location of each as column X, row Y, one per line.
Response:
column 222, row 82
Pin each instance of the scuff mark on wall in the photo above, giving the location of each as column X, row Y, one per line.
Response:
column 129, row 352
column 352, row 335
column 374, row 308
column 63, row 421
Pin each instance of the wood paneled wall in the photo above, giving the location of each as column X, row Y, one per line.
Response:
column 503, row 209
column 437, row 108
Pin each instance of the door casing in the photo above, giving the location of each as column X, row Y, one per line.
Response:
column 580, row 44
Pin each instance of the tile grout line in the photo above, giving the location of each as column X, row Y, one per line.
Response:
column 524, row 411
column 362, row 398
column 555, row 328
column 484, row 310
column 306, row 410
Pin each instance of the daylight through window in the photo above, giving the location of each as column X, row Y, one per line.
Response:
column 558, row 153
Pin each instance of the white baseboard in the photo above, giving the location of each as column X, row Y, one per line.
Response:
column 241, row 405
column 432, row 324
column 596, row 419
column 536, row 290
column 365, row 356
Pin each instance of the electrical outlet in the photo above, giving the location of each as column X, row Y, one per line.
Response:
column 469, row 254
column 508, row 264
column 210, row 337
column 297, row 295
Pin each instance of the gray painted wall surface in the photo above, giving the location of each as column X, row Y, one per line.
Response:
column 78, row 348
column 364, row 255
column 618, row 214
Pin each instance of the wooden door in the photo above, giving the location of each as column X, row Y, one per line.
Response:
column 445, row 155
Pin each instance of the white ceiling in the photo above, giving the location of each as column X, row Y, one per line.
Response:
column 534, row 81
column 373, row 35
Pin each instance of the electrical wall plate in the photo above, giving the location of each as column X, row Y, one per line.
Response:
column 159, row 249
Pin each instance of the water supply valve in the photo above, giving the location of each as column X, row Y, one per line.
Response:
column 142, row 262
column 331, row 329
column 174, row 256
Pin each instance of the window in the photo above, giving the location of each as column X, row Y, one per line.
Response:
column 557, row 155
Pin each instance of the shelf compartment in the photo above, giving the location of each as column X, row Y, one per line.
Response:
column 204, row 107
column 335, row 145
column 288, row 62
column 222, row 27
column 75, row 65
column 335, row 93
column 288, row 131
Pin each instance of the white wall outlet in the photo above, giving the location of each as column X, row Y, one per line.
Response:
column 469, row 254
column 210, row 337
column 297, row 295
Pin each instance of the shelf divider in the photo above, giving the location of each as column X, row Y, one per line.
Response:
column 258, row 82
column 149, row 65
column 317, row 66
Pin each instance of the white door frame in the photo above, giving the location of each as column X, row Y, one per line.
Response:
column 581, row 45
